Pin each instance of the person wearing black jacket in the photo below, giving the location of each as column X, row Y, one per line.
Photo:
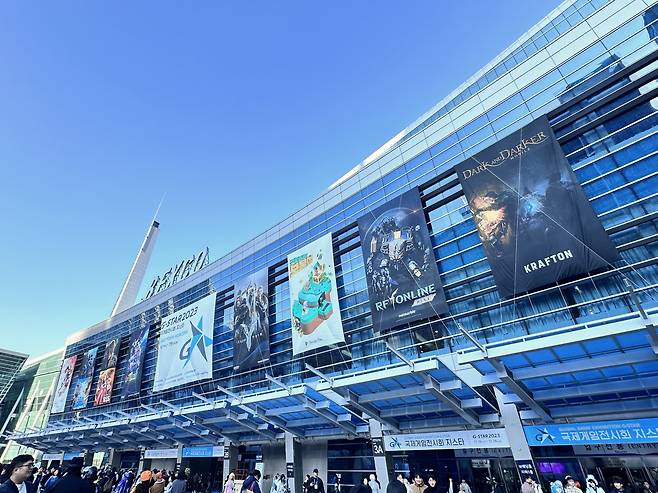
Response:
column 17, row 474
column 397, row 485
column 315, row 484
column 72, row 481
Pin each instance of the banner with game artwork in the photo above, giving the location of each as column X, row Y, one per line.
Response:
column 315, row 314
column 132, row 378
column 63, row 384
column 251, row 327
column 82, row 386
column 107, row 373
column 536, row 224
column 401, row 273
column 185, row 348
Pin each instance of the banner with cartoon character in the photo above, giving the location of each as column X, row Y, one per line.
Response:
column 82, row 386
column 315, row 314
column 185, row 347
column 107, row 373
column 132, row 378
column 251, row 327
column 401, row 272
column 63, row 384
column 536, row 224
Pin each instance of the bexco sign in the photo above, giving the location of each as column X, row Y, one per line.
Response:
column 178, row 272
column 449, row 440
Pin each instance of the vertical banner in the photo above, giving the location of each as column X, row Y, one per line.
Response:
column 82, row 386
column 108, row 372
column 534, row 220
column 63, row 384
column 185, row 346
column 132, row 378
column 315, row 314
column 401, row 272
column 251, row 326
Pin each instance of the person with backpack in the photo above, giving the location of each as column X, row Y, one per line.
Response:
column 250, row 484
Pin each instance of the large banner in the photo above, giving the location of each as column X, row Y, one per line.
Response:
column 63, row 384
column 82, row 386
column 251, row 327
column 108, row 372
column 534, row 220
column 448, row 440
column 132, row 378
column 185, row 348
column 630, row 431
column 315, row 314
column 401, row 272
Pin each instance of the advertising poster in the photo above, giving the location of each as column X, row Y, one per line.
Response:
column 534, row 220
column 401, row 272
column 251, row 326
column 63, row 384
column 82, row 386
column 185, row 347
column 107, row 373
column 315, row 314
column 630, row 431
column 448, row 440
column 136, row 348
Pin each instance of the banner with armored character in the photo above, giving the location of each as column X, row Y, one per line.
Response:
column 132, row 378
column 82, row 386
column 315, row 314
column 185, row 348
column 401, row 273
column 536, row 224
column 63, row 384
column 251, row 327
column 107, row 373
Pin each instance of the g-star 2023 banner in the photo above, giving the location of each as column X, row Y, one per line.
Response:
column 534, row 220
column 315, row 314
column 185, row 346
column 251, row 326
column 63, row 384
column 401, row 273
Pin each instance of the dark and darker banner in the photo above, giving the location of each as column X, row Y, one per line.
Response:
column 132, row 378
column 107, row 373
column 251, row 327
column 534, row 220
column 401, row 272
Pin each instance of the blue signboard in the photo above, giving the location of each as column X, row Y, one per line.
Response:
column 71, row 455
column 217, row 451
column 628, row 431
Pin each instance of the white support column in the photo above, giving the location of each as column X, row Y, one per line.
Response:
column 382, row 465
column 293, row 463
column 509, row 417
column 230, row 457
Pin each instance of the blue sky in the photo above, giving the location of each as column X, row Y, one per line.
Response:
column 222, row 106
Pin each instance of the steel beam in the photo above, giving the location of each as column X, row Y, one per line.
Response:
column 454, row 404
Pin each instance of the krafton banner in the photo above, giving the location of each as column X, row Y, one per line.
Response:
column 82, row 386
column 132, row 379
column 108, row 372
column 63, row 384
column 315, row 314
column 185, row 348
column 534, row 220
column 251, row 326
column 401, row 272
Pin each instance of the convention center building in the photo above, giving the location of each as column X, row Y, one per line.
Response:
column 476, row 300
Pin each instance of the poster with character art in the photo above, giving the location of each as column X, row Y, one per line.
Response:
column 63, row 384
column 82, row 386
column 251, row 327
column 314, row 311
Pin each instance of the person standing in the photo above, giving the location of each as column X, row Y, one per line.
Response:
column 593, row 485
column 17, row 474
column 72, row 481
column 316, row 484
column 251, row 483
column 229, row 485
column 571, row 485
column 418, row 485
column 464, row 487
column 374, row 484
column 617, row 485
column 397, row 485
column 646, row 487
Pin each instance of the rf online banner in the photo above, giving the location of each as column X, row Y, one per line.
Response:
column 401, row 272
column 132, row 379
column 185, row 347
column 108, row 372
column 315, row 314
column 251, row 326
column 82, row 386
column 534, row 220
column 63, row 384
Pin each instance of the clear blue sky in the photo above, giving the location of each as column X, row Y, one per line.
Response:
column 106, row 106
